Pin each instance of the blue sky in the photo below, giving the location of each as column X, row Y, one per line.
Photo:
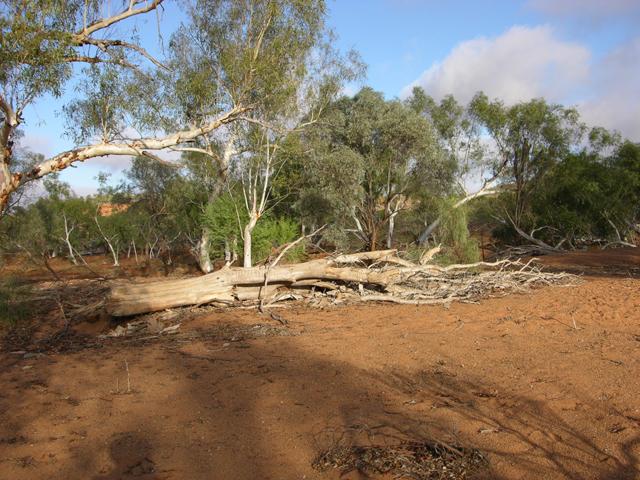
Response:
column 579, row 52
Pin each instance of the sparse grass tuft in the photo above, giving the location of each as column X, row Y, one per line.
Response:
column 15, row 301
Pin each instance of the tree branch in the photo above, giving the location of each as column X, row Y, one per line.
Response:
column 105, row 44
column 134, row 148
column 129, row 12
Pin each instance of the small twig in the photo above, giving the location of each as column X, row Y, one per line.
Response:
column 126, row 364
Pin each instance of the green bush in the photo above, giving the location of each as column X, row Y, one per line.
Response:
column 221, row 219
column 15, row 303
column 271, row 233
column 453, row 233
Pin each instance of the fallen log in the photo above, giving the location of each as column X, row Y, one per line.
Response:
column 370, row 276
column 230, row 284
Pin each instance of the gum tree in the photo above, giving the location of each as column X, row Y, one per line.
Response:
column 529, row 138
column 459, row 136
column 385, row 151
column 276, row 56
column 231, row 59
column 39, row 43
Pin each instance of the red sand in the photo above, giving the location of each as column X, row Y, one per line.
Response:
column 512, row 377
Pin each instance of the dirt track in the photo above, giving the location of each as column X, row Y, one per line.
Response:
column 515, row 377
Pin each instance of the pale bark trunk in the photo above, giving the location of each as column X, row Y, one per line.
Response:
column 9, row 183
column 204, row 257
column 392, row 225
column 232, row 284
column 67, row 239
column 248, row 229
column 114, row 252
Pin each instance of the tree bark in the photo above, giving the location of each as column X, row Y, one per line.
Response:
column 11, row 182
column 67, row 239
column 392, row 225
column 204, row 258
column 248, row 229
column 232, row 284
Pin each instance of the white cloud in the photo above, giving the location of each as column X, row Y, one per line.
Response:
column 596, row 9
column 615, row 86
column 522, row 63
column 37, row 143
column 529, row 62
column 111, row 163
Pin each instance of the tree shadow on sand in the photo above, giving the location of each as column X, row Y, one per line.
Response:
column 266, row 408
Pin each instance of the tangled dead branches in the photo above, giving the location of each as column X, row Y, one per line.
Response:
column 419, row 460
column 468, row 282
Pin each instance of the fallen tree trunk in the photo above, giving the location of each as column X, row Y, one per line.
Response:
column 380, row 275
column 227, row 285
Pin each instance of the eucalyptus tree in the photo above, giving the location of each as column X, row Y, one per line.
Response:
column 39, row 42
column 276, row 56
column 230, row 59
column 459, row 135
column 529, row 137
column 385, row 151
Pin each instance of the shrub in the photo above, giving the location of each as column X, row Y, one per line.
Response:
column 221, row 219
column 15, row 303
column 271, row 233
column 457, row 244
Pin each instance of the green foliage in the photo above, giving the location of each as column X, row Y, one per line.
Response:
column 221, row 219
column 360, row 161
column 458, row 130
column 100, row 112
column 585, row 196
column 16, row 304
column 530, row 137
column 35, row 37
column 271, row 233
column 457, row 244
column 368, row 157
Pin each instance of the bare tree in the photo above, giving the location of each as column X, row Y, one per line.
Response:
column 67, row 238
column 110, row 241
column 255, row 189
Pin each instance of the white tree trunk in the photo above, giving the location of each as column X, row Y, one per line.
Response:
column 9, row 183
column 204, row 257
column 67, row 239
column 231, row 284
column 114, row 252
column 248, row 229
column 392, row 226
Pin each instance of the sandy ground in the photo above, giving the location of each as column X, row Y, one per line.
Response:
column 545, row 384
